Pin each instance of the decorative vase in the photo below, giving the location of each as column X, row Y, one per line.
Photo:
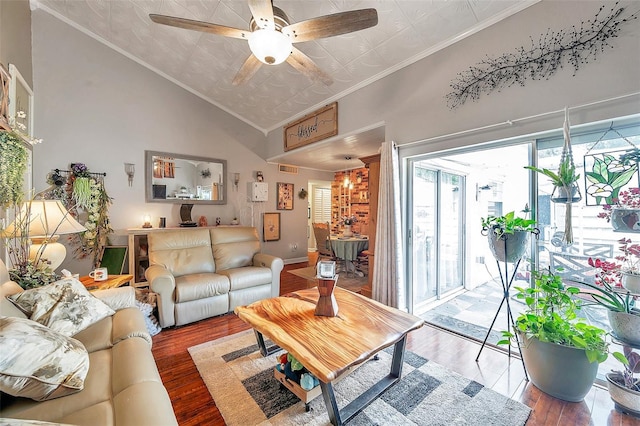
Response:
column 625, row 327
column 625, row 220
column 631, row 282
column 626, row 400
column 561, row 371
column 347, row 231
column 509, row 247
column 327, row 305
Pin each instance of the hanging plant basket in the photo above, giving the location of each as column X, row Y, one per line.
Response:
column 566, row 194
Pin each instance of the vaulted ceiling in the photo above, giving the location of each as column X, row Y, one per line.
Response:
column 205, row 64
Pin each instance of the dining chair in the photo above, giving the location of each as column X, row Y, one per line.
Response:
column 322, row 233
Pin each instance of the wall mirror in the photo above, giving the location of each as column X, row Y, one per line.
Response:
column 184, row 179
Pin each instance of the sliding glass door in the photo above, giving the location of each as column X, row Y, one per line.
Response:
column 448, row 195
column 437, row 230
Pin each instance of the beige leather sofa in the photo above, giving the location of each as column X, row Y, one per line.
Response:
column 122, row 386
column 200, row 273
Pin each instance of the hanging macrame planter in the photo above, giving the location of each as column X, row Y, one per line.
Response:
column 568, row 191
column 565, row 181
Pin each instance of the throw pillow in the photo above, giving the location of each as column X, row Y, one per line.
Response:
column 64, row 306
column 39, row 363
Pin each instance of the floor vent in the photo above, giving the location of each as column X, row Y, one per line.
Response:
column 286, row 168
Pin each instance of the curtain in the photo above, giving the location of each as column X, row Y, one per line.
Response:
column 388, row 282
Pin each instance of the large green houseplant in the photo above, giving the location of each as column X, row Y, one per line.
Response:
column 560, row 350
column 508, row 235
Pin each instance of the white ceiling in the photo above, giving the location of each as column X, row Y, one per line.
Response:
column 205, row 64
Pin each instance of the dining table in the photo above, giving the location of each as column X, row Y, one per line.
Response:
column 348, row 249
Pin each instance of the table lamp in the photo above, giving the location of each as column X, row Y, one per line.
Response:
column 48, row 219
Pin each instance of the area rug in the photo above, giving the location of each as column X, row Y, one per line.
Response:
column 353, row 283
column 242, row 385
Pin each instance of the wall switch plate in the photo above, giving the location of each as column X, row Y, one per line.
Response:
column 259, row 191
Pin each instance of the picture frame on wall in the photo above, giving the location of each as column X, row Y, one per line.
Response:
column 271, row 226
column 20, row 99
column 285, row 196
column 5, row 81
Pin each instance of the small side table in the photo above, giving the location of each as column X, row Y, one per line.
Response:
column 112, row 281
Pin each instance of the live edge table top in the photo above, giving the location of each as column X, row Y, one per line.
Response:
column 328, row 346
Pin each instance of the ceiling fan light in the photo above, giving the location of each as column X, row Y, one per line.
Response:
column 269, row 46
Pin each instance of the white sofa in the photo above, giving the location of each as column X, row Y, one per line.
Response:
column 200, row 273
column 122, row 385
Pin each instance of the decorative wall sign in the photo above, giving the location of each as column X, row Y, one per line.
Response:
column 271, row 226
column 574, row 45
column 311, row 128
column 606, row 175
column 285, row 196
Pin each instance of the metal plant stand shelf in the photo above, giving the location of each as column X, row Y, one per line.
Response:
column 506, row 280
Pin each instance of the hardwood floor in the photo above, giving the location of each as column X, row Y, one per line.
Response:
column 193, row 405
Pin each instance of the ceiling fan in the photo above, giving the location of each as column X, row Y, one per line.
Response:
column 271, row 36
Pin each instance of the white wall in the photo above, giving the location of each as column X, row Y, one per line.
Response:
column 412, row 105
column 97, row 107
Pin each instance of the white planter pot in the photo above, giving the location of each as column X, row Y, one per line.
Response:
column 625, row 327
column 631, row 282
column 347, row 231
column 625, row 220
column 627, row 400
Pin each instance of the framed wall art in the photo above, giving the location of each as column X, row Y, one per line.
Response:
column 271, row 226
column 4, row 97
column 285, row 196
column 607, row 174
column 20, row 100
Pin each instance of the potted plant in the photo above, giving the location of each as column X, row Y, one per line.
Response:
column 508, row 235
column 624, row 317
column 564, row 181
column 624, row 385
column 565, row 190
column 560, row 350
column 624, row 213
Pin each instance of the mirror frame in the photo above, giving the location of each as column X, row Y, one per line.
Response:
column 148, row 176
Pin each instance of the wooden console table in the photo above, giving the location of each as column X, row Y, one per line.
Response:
column 329, row 346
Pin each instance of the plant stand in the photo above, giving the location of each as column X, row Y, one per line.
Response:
column 506, row 280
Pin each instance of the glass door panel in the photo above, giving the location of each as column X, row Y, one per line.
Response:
column 437, row 229
column 451, row 231
column 424, row 231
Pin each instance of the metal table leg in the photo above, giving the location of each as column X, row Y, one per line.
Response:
column 337, row 416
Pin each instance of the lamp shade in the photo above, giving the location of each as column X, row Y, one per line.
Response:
column 46, row 219
column 43, row 221
column 270, row 46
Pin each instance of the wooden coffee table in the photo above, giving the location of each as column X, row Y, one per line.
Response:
column 330, row 346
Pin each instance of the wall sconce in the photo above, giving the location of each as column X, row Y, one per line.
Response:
column 359, row 177
column 147, row 221
column 236, row 180
column 130, row 170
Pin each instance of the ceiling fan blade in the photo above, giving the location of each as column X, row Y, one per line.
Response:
column 206, row 27
column 248, row 69
column 331, row 25
column 262, row 12
column 306, row 66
